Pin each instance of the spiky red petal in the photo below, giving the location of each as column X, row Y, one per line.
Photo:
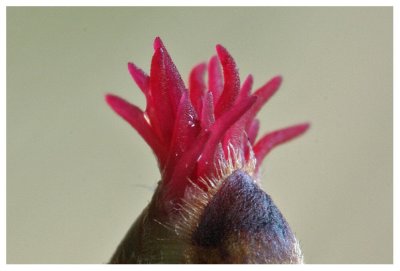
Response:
column 135, row 117
column 197, row 86
column 231, row 82
column 215, row 80
column 140, row 77
column 275, row 138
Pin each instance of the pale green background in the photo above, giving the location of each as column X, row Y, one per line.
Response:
column 77, row 175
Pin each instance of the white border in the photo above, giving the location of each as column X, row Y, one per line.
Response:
column 396, row 161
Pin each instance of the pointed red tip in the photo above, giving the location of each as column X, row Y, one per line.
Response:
column 221, row 51
column 140, row 77
column 304, row 126
column 275, row 138
column 224, row 56
column 266, row 92
column 122, row 107
column 248, row 81
column 231, row 82
column 246, row 87
column 219, row 47
column 270, row 87
column 277, row 79
column 110, row 99
column 135, row 117
column 158, row 43
column 214, row 59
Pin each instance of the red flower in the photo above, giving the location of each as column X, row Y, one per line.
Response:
column 203, row 131
column 190, row 130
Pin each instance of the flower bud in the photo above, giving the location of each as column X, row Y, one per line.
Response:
column 208, row 206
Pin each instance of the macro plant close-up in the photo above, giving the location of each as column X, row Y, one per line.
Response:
column 208, row 206
column 145, row 134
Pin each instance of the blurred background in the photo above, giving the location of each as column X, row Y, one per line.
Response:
column 78, row 175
